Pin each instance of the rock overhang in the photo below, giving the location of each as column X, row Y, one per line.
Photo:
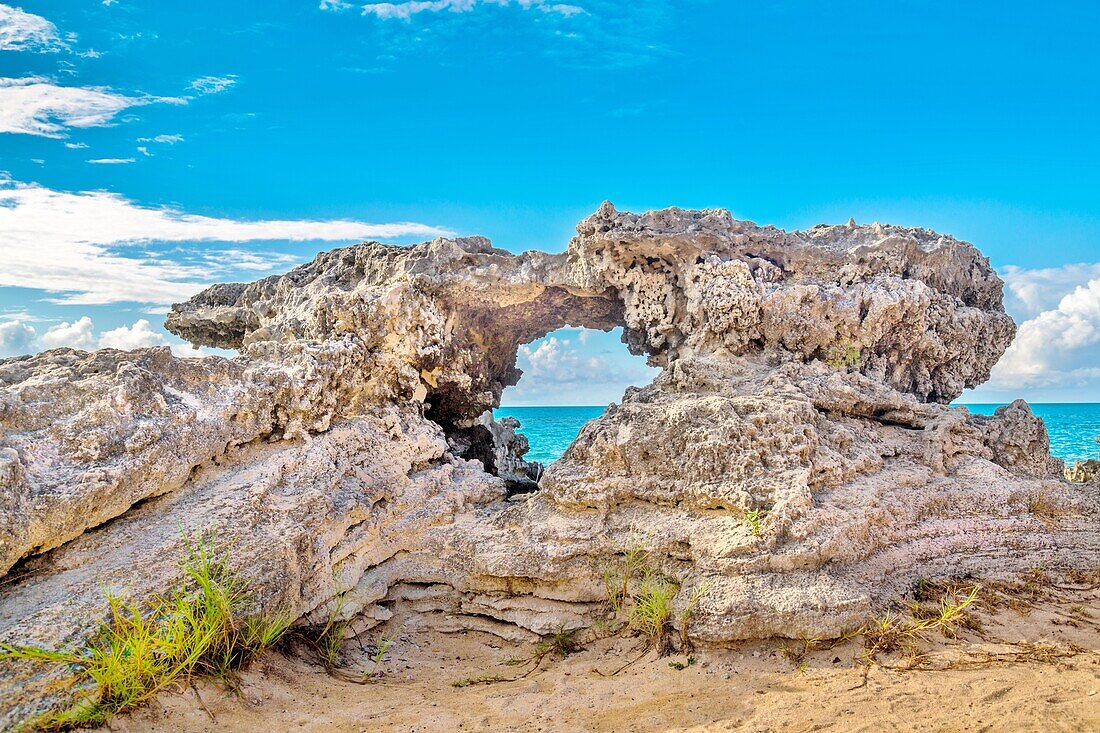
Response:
column 924, row 310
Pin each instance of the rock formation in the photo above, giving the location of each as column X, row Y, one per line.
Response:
column 347, row 451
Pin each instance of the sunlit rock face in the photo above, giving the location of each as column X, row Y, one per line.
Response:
column 344, row 452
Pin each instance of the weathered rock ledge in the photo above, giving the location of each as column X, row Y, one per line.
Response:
column 344, row 452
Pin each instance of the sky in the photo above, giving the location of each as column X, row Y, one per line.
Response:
column 148, row 149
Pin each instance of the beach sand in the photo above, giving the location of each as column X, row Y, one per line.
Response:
column 1036, row 669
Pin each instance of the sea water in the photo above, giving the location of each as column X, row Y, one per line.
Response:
column 1073, row 427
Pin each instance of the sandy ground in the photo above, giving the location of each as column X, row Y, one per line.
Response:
column 1035, row 670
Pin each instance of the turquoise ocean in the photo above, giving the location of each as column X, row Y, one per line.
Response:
column 1073, row 427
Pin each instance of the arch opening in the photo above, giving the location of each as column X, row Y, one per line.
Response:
column 570, row 376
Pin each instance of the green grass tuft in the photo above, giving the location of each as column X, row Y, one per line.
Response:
column 199, row 629
column 329, row 638
column 652, row 610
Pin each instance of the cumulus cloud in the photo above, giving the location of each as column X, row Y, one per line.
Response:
column 1030, row 292
column 17, row 337
column 76, row 335
column 1059, row 347
column 560, row 371
column 555, row 360
column 21, row 31
column 213, row 84
column 73, row 244
column 138, row 336
column 406, row 10
column 36, row 106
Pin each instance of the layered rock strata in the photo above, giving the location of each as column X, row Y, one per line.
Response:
column 346, row 451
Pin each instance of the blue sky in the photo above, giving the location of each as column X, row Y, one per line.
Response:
column 149, row 148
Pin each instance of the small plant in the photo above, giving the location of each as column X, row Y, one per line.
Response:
column 754, row 518
column 379, row 656
column 892, row 632
column 613, row 586
column 562, row 642
column 915, row 657
column 328, row 640
column 951, row 615
column 886, row 634
column 198, row 629
column 652, row 610
column 844, row 355
column 617, row 582
column 681, row 666
column 796, row 654
column 1044, row 508
column 487, row 679
column 686, row 614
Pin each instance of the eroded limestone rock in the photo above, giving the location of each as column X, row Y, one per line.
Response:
column 328, row 455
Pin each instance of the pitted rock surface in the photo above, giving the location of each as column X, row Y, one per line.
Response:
column 343, row 453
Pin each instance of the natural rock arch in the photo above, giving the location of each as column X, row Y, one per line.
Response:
column 321, row 452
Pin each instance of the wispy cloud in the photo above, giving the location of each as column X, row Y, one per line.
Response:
column 405, row 10
column 239, row 259
column 69, row 244
column 110, row 161
column 36, row 106
column 213, row 84
column 163, row 139
column 22, row 31
column 586, row 34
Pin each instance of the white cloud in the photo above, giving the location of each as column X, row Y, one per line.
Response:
column 213, row 84
column 138, row 336
column 69, row 243
column 16, row 337
column 36, row 106
column 239, row 259
column 165, row 139
column 561, row 9
column 552, row 360
column 562, row 370
column 406, row 10
column 110, row 161
column 21, row 31
column 1030, row 292
column 1058, row 347
column 76, row 146
column 558, row 361
column 75, row 335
